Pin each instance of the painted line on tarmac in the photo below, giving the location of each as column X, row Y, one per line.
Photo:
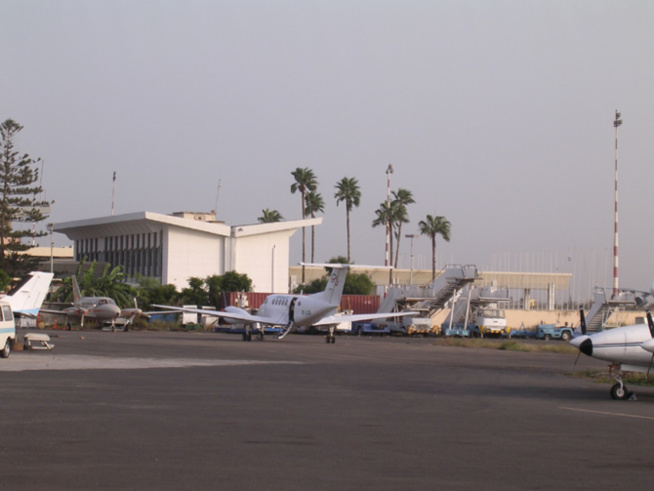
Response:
column 82, row 362
column 605, row 413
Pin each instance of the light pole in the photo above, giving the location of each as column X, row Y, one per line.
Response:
column 616, row 124
column 51, row 230
column 411, row 236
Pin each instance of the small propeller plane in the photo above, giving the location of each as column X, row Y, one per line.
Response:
column 100, row 309
column 626, row 348
column 293, row 311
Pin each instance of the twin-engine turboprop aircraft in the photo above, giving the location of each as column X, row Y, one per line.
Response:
column 293, row 311
column 100, row 309
column 627, row 348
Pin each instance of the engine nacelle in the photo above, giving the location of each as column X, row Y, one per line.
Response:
column 234, row 310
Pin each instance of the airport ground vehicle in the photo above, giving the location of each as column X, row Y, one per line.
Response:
column 457, row 330
column 361, row 328
column 550, row 331
column 419, row 325
column 7, row 329
column 490, row 321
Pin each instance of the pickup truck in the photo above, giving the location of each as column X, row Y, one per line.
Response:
column 551, row 331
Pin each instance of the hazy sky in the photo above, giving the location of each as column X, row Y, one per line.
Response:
column 497, row 115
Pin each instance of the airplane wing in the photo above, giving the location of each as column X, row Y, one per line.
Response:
column 243, row 317
column 337, row 319
column 53, row 312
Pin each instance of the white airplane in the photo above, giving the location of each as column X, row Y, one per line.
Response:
column 293, row 311
column 626, row 348
column 28, row 296
column 101, row 309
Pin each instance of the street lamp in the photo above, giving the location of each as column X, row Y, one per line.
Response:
column 411, row 236
column 51, row 230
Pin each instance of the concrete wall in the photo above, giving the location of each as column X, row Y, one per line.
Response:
column 265, row 260
column 191, row 253
column 515, row 318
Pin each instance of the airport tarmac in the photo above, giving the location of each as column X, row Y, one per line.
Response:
column 196, row 410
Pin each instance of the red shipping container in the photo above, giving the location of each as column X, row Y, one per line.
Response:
column 359, row 304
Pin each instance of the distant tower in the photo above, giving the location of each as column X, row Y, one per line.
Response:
column 616, row 123
column 389, row 171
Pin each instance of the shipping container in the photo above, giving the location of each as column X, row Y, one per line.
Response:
column 359, row 304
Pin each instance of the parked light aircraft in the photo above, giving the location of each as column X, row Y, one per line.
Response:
column 28, row 296
column 293, row 311
column 100, row 309
column 626, row 348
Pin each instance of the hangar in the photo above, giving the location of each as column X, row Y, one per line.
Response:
column 176, row 247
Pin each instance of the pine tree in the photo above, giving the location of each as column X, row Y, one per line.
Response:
column 18, row 202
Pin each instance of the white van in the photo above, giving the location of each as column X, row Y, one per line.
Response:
column 7, row 329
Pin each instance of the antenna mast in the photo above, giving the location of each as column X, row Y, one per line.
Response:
column 616, row 123
column 113, row 189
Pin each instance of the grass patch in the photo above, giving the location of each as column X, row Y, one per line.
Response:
column 507, row 345
column 602, row 377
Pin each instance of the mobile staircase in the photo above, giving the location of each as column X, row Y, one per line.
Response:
column 432, row 298
column 465, row 308
column 604, row 307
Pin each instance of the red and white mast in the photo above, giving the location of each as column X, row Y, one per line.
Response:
column 616, row 123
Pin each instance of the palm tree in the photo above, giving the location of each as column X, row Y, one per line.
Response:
column 305, row 180
column 401, row 197
column 347, row 190
column 270, row 216
column 314, row 204
column 110, row 284
column 385, row 217
column 433, row 226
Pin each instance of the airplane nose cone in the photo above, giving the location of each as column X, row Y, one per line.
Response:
column 648, row 345
column 586, row 347
column 583, row 344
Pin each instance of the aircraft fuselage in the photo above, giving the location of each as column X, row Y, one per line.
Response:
column 623, row 345
column 304, row 311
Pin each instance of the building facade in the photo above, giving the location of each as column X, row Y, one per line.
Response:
column 173, row 248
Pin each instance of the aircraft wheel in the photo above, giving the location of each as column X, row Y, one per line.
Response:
column 619, row 392
column 6, row 350
column 327, row 339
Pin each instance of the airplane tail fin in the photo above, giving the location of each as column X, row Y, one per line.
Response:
column 334, row 290
column 77, row 295
column 28, row 296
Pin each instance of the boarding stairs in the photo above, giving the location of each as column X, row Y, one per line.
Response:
column 435, row 296
column 472, row 299
column 285, row 330
column 604, row 308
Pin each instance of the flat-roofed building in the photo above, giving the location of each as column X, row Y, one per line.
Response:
column 175, row 247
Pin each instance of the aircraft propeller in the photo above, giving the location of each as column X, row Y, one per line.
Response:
column 583, row 320
column 582, row 324
column 650, row 323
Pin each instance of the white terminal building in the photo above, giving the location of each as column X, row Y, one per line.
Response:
column 175, row 247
